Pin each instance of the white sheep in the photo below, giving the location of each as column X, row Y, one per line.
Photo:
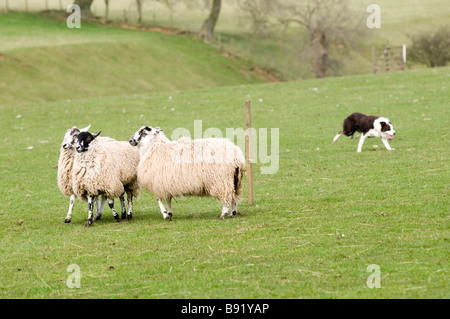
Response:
column 65, row 164
column 201, row 167
column 108, row 169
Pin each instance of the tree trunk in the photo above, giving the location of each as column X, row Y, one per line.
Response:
column 85, row 6
column 139, row 9
column 207, row 30
column 106, row 10
column 320, row 46
column 322, row 57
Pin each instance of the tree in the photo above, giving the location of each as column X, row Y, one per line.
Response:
column 431, row 49
column 106, row 9
column 261, row 15
column 85, row 6
column 139, row 10
column 207, row 29
column 326, row 22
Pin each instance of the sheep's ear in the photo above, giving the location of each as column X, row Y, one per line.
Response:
column 148, row 128
column 85, row 129
column 95, row 135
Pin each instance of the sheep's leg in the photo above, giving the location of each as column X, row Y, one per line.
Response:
column 163, row 210
column 233, row 208
column 100, row 207
column 130, row 205
column 123, row 209
column 224, row 211
column 116, row 215
column 69, row 213
column 91, row 211
column 169, row 207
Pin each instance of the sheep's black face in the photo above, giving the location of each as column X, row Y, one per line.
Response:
column 71, row 137
column 84, row 140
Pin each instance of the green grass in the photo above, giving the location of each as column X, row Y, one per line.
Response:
column 316, row 225
column 43, row 60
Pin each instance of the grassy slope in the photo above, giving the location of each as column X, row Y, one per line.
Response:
column 317, row 224
column 42, row 60
column 399, row 19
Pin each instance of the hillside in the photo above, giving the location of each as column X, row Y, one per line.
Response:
column 43, row 60
column 318, row 222
column 279, row 52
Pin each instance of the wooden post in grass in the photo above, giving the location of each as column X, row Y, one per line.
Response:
column 248, row 148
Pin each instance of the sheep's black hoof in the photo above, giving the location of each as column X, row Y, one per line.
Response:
column 129, row 217
column 168, row 216
column 98, row 217
column 118, row 220
column 232, row 214
column 124, row 215
column 67, row 220
column 88, row 223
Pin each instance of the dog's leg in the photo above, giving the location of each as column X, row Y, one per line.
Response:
column 386, row 144
column 361, row 142
column 337, row 136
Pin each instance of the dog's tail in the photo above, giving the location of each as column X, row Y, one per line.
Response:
column 337, row 136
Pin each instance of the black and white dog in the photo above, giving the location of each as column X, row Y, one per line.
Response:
column 368, row 126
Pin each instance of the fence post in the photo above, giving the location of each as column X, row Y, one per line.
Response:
column 403, row 57
column 387, row 54
column 248, row 148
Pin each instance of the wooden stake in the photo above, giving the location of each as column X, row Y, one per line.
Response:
column 248, row 148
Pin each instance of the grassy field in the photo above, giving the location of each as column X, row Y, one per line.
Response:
column 317, row 223
column 43, row 60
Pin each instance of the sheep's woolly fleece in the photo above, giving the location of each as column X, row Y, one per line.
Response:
column 192, row 167
column 105, row 169
column 65, row 165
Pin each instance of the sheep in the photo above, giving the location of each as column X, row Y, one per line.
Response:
column 108, row 169
column 201, row 167
column 65, row 164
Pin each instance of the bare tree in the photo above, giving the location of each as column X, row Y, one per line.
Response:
column 207, row 29
column 106, row 9
column 326, row 21
column 139, row 10
column 261, row 14
column 85, row 6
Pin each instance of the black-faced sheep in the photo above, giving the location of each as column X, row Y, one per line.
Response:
column 108, row 169
column 65, row 164
column 201, row 167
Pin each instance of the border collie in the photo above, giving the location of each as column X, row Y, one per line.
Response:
column 368, row 126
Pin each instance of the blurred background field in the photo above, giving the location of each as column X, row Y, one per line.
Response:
column 255, row 32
